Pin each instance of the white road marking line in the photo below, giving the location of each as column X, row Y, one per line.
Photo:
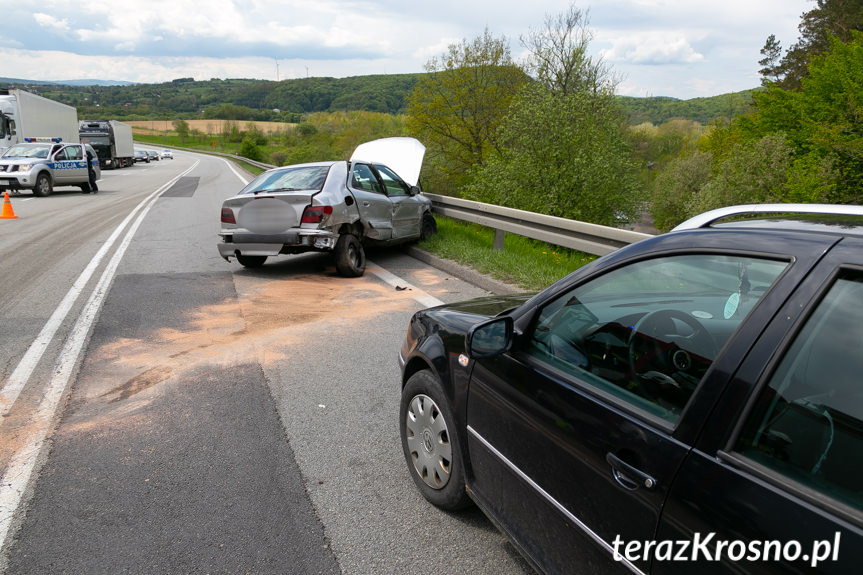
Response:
column 233, row 169
column 19, row 377
column 23, row 463
column 419, row 295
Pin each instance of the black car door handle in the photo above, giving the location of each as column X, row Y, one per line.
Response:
column 628, row 476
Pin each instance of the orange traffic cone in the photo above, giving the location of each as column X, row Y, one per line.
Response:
column 8, row 213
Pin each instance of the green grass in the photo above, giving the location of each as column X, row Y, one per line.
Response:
column 527, row 263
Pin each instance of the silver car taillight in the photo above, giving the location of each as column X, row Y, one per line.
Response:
column 316, row 214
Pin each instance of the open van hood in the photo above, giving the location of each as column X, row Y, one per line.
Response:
column 402, row 155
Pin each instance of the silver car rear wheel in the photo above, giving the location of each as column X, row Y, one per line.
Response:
column 350, row 256
column 251, row 261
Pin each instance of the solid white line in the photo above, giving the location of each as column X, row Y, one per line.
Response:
column 419, row 295
column 238, row 174
column 21, row 375
column 23, row 463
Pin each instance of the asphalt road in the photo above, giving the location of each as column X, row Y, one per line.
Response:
column 185, row 415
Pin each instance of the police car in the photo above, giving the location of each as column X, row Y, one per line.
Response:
column 42, row 165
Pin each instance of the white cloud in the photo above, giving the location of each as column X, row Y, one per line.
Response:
column 679, row 48
column 652, row 48
column 48, row 21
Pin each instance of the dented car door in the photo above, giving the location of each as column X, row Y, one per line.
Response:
column 375, row 207
column 406, row 208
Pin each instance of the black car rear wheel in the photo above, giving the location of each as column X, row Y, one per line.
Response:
column 431, row 445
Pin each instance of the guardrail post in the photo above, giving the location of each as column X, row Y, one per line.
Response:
column 499, row 236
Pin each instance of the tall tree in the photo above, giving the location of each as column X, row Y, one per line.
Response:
column 559, row 55
column 566, row 156
column 830, row 18
column 456, row 108
column 565, row 152
column 823, row 119
column 772, row 52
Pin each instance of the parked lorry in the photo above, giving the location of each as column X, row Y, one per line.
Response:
column 112, row 141
column 25, row 116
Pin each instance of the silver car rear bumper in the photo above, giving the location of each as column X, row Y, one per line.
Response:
column 274, row 244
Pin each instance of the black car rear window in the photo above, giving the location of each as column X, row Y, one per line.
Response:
column 807, row 423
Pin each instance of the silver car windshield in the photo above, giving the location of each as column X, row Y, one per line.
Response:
column 28, row 151
column 289, row 179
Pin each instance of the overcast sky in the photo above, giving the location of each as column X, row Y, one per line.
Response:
column 679, row 48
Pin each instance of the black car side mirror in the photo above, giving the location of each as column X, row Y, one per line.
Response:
column 490, row 338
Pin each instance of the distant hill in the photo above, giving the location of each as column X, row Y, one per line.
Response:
column 7, row 82
column 658, row 110
column 289, row 100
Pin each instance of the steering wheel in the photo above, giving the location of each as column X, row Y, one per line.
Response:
column 666, row 362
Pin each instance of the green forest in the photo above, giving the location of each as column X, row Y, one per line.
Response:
column 292, row 100
column 550, row 134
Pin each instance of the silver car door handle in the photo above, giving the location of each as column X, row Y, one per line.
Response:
column 366, row 204
column 628, row 476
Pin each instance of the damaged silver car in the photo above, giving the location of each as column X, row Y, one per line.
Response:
column 338, row 207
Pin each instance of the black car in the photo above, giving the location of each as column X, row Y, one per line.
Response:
column 692, row 403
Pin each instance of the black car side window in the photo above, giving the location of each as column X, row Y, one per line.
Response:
column 807, row 423
column 646, row 333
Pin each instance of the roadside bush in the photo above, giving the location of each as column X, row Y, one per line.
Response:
column 676, row 186
column 755, row 172
column 249, row 149
column 565, row 155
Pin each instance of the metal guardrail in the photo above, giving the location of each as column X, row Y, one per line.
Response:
column 589, row 238
column 260, row 165
column 582, row 236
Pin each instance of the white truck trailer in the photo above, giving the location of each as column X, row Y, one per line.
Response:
column 26, row 116
column 112, row 141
